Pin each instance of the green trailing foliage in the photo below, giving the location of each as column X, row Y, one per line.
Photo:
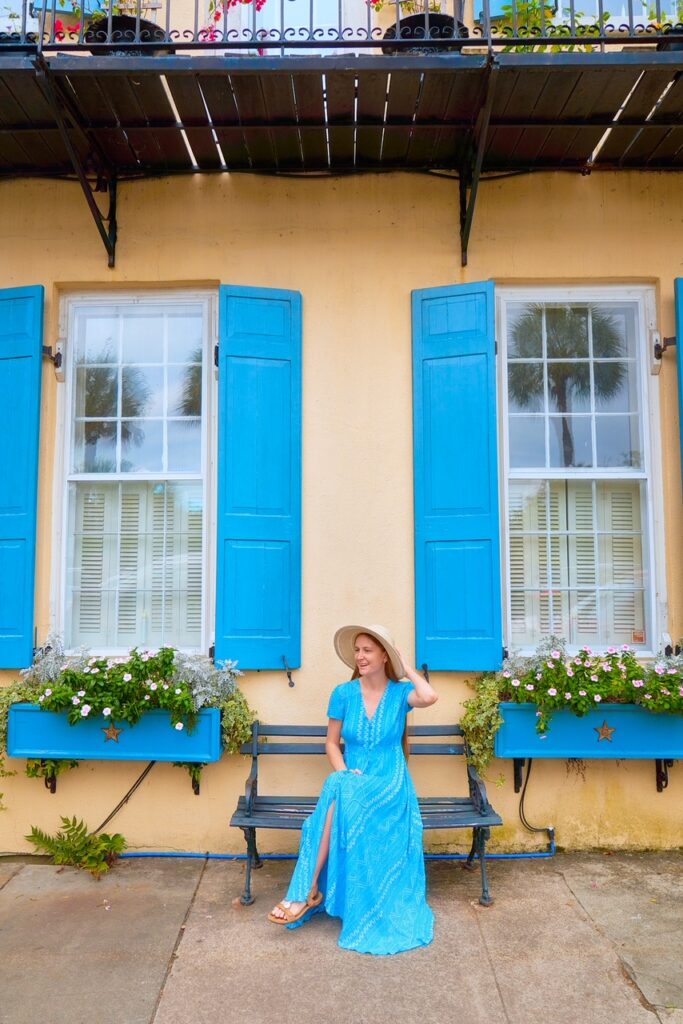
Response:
column 48, row 768
column 551, row 679
column 75, row 846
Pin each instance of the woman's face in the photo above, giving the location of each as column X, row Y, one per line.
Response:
column 370, row 656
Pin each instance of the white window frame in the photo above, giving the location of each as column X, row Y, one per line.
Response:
column 654, row 554
column 69, row 304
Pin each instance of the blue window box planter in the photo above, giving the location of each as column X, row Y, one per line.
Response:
column 607, row 731
column 32, row 732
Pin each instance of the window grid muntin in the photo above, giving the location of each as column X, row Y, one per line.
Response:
column 640, row 300
column 167, row 306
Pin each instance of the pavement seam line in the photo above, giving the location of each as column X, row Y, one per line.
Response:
column 12, row 876
column 179, row 939
column 493, row 969
column 624, row 968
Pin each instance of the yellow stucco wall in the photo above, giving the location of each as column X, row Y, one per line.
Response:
column 355, row 248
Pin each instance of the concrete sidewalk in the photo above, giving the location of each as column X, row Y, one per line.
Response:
column 578, row 939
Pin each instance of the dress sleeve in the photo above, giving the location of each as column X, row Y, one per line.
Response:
column 337, row 706
column 407, row 690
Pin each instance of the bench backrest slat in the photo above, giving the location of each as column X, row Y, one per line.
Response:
column 264, row 734
column 320, row 730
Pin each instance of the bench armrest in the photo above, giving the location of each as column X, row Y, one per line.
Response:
column 251, row 786
column 477, row 791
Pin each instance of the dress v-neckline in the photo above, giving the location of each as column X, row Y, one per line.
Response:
column 379, row 703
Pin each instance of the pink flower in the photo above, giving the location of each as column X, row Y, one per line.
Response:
column 597, row 698
column 611, row 650
column 594, row 679
column 85, row 711
column 647, row 696
column 638, row 683
column 550, row 664
column 666, row 692
column 552, row 691
column 75, row 700
column 127, row 677
column 625, row 647
column 539, row 675
column 604, row 667
column 515, row 682
column 659, row 670
column 529, row 686
column 680, row 690
column 179, row 725
column 153, row 686
column 555, row 654
column 671, row 672
column 506, row 674
column 577, row 661
column 567, row 696
column 570, row 672
column 106, row 712
column 587, row 650
column 582, row 693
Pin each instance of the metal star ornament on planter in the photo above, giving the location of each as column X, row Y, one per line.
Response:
column 604, row 731
column 112, row 733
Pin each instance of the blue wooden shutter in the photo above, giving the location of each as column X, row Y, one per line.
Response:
column 457, row 559
column 678, row 285
column 258, row 590
column 21, row 340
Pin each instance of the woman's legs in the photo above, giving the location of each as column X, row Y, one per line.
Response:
column 323, row 851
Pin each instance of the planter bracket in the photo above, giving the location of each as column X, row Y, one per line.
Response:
column 662, row 766
column 518, row 768
column 98, row 165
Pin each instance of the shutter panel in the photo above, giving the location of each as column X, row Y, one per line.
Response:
column 258, row 589
column 678, row 285
column 457, row 559
column 21, row 339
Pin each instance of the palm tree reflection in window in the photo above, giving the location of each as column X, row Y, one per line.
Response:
column 566, row 365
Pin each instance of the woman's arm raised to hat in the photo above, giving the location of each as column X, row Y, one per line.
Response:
column 424, row 694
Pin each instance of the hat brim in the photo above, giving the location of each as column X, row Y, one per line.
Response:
column 345, row 641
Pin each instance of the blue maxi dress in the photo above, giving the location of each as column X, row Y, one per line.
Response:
column 374, row 878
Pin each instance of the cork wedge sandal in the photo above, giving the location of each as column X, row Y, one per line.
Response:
column 314, row 899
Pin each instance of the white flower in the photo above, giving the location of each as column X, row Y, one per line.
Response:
column 127, row 677
column 81, row 693
column 87, row 669
column 41, row 698
column 550, row 664
column 106, row 712
column 75, row 700
column 554, row 654
column 166, row 686
column 597, row 698
column 153, row 686
column 147, row 697
column 582, row 693
column 552, row 691
column 567, row 696
column 515, row 682
column 529, row 686
column 144, row 657
column 506, row 674
column 647, row 696
column 178, row 690
column 539, row 675
column 594, row 678
column 48, row 692
column 570, row 672
column 85, row 710
column 94, row 671
column 179, row 725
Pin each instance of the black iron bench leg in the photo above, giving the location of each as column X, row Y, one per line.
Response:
column 469, row 864
column 253, row 860
column 482, row 835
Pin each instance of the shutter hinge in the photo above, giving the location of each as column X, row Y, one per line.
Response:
column 506, row 654
column 660, row 346
column 215, row 356
column 287, row 670
column 55, row 357
column 212, row 651
column 425, row 670
column 495, row 345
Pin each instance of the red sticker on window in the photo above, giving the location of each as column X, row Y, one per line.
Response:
column 638, row 636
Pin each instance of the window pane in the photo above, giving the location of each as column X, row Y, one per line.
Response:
column 525, row 334
column 96, row 392
column 525, row 387
column 566, row 332
column 142, row 338
column 142, row 391
column 185, row 338
column 142, row 445
column 134, row 571
column 615, row 387
column 97, row 338
column 618, row 441
column 184, row 446
column 527, row 441
column 185, row 390
column 94, row 447
column 570, row 441
column 569, row 387
column 614, row 332
column 577, row 563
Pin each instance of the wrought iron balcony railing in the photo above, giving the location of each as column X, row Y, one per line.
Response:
column 306, row 27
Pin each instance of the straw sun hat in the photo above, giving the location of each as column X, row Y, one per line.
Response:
column 345, row 640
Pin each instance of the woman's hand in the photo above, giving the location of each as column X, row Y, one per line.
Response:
column 424, row 694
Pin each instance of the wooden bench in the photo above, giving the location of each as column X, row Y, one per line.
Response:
column 256, row 811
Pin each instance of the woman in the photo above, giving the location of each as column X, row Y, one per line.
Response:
column 361, row 855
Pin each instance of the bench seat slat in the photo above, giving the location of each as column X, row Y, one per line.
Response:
column 282, row 812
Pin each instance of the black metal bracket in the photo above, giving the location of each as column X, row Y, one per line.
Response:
column 287, row 670
column 661, row 347
column 425, row 670
column 518, row 768
column 105, row 177
column 50, row 782
column 195, row 786
column 470, row 172
column 662, row 766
